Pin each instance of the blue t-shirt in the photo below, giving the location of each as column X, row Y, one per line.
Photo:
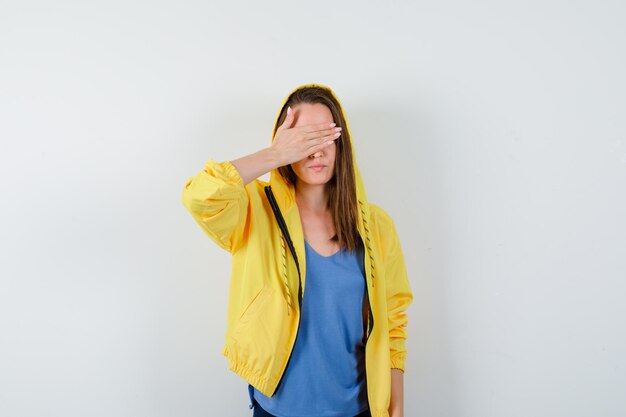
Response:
column 325, row 376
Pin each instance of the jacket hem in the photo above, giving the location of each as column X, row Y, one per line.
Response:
column 253, row 378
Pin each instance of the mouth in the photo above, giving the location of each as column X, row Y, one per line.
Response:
column 317, row 167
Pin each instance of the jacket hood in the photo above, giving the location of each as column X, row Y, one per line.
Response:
column 284, row 192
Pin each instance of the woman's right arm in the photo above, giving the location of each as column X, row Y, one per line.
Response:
column 252, row 166
column 216, row 196
column 217, row 199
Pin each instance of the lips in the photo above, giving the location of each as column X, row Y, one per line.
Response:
column 317, row 166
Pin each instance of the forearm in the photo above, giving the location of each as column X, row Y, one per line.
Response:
column 396, row 407
column 254, row 165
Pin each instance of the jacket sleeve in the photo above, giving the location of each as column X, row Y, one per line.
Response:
column 218, row 202
column 399, row 294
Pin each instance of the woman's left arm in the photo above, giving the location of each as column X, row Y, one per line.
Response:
column 399, row 297
column 396, row 407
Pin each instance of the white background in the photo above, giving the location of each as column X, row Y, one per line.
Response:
column 493, row 132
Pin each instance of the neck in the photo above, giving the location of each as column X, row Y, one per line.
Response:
column 312, row 198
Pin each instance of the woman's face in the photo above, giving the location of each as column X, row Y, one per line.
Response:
column 307, row 169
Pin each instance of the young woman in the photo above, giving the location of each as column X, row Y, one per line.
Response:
column 318, row 288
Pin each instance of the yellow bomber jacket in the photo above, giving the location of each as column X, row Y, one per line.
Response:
column 266, row 284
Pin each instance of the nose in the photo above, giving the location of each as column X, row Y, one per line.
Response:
column 317, row 154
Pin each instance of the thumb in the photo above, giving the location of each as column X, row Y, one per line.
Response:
column 288, row 120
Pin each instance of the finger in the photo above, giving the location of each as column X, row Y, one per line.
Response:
column 288, row 120
column 317, row 147
column 326, row 133
column 322, row 140
column 317, row 127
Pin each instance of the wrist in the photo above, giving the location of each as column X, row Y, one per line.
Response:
column 274, row 158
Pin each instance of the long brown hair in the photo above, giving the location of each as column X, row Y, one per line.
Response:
column 342, row 186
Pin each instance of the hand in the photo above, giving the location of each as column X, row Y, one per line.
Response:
column 293, row 144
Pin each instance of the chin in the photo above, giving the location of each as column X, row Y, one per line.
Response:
column 314, row 181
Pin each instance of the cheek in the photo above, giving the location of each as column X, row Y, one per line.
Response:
column 298, row 167
column 333, row 156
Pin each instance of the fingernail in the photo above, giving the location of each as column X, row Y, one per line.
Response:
column 289, row 110
column 333, row 124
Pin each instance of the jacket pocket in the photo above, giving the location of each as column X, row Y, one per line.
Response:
column 253, row 310
column 259, row 343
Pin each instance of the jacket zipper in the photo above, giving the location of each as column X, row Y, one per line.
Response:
column 285, row 231
column 370, row 315
column 370, row 322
